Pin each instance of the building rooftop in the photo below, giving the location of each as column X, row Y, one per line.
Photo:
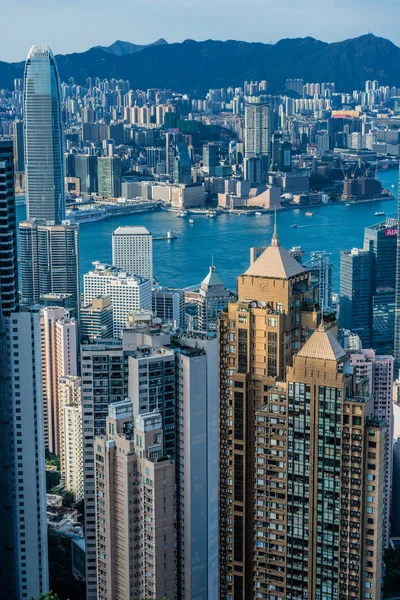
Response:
column 129, row 230
column 212, row 278
column 275, row 262
column 323, row 345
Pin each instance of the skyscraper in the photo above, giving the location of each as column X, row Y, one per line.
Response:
column 8, row 231
column 132, row 250
column 24, row 333
column 397, row 313
column 257, row 133
column 276, row 312
column 8, row 567
column 49, row 261
column 135, row 484
column 319, row 466
column 43, row 137
column 70, row 402
column 127, row 292
column 109, row 176
column 210, row 158
column 60, row 357
column 355, row 293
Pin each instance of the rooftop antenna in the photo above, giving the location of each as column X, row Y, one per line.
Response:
column 275, row 240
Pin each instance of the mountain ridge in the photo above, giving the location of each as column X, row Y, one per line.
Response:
column 192, row 66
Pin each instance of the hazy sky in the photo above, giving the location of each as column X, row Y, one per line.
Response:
column 76, row 25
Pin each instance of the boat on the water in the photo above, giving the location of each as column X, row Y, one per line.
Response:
column 182, row 213
column 347, row 204
column 258, row 214
column 293, row 226
column 379, row 213
column 191, row 221
column 309, row 214
column 170, row 235
column 212, row 214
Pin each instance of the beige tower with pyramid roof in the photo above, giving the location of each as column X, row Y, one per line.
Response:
column 275, row 314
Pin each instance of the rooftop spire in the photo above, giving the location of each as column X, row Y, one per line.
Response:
column 275, row 239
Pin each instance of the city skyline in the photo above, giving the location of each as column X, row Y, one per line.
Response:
column 308, row 19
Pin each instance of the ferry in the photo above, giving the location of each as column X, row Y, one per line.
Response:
column 86, row 215
column 379, row 213
column 309, row 214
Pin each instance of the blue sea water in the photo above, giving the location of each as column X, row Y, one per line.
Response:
column 185, row 260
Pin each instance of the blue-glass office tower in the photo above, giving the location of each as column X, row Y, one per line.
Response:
column 43, row 137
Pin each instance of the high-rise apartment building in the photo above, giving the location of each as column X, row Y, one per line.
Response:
column 197, row 466
column 24, row 335
column 152, row 388
column 96, row 319
column 60, row 357
column 132, row 250
column 257, row 133
column 397, row 301
column 109, row 176
column 126, row 292
column 379, row 372
column 8, row 231
column 356, row 278
column 8, row 566
column 18, row 141
column 49, row 262
column 70, row 402
column 135, row 484
column 276, row 312
column 319, row 482
column 43, row 137
column 104, row 370
column 213, row 298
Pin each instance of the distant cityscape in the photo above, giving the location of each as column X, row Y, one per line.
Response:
column 206, row 442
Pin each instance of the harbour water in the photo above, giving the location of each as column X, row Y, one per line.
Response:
column 185, row 260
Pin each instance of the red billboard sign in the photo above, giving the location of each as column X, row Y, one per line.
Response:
column 391, row 232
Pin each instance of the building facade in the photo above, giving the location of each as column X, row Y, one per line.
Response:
column 8, row 231
column 135, row 484
column 109, row 176
column 213, row 298
column 132, row 250
column 356, row 293
column 43, row 135
column 70, row 402
column 96, row 319
column 126, row 292
column 59, row 358
column 24, row 335
column 276, row 311
column 169, row 305
column 49, row 262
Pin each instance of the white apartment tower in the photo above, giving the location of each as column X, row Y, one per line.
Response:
column 60, row 357
column 127, row 292
column 24, row 334
column 132, row 250
column 135, row 485
column 69, row 402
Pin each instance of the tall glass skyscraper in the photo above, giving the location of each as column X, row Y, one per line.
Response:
column 43, row 137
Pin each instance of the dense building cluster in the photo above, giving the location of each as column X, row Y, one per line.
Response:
column 225, row 444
